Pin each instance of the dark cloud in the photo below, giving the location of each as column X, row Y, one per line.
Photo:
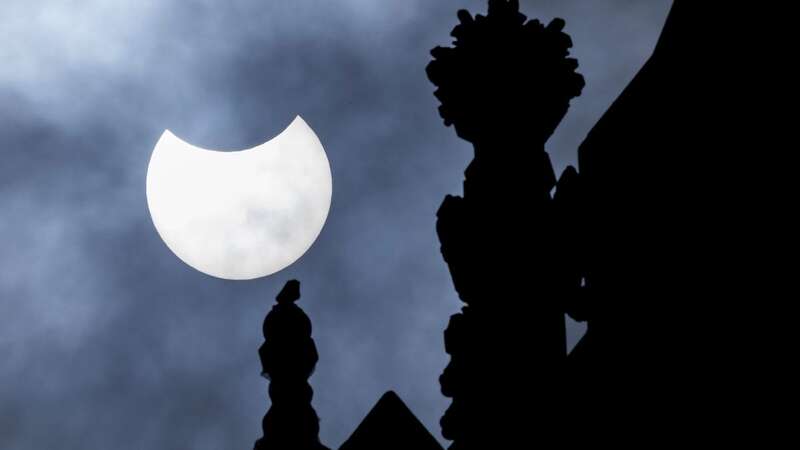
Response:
column 107, row 338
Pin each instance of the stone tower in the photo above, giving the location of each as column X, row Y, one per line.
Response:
column 288, row 357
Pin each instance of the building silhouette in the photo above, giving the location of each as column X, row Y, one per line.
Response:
column 643, row 241
column 391, row 425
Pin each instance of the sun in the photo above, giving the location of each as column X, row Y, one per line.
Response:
column 243, row 214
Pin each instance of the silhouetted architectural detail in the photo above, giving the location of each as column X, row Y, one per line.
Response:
column 504, row 85
column 657, row 241
column 288, row 357
column 646, row 242
column 390, row 425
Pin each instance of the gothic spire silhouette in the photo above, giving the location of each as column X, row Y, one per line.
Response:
column 288, row 356
column 504, row 86
column 645, row 242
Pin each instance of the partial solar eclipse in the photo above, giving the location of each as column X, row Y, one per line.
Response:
column 243, row 214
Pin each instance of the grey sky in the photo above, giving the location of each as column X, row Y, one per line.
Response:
column 106, row 338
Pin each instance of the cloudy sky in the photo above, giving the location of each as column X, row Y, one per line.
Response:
column 107, row 340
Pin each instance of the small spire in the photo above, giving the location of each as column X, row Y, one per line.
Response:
column 290, row 292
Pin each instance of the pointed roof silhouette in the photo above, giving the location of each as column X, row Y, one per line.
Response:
column 391, row 425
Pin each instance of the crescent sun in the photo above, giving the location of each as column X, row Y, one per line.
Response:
column 245, row 214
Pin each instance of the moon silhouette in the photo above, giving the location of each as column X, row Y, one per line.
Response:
column 243, row 214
